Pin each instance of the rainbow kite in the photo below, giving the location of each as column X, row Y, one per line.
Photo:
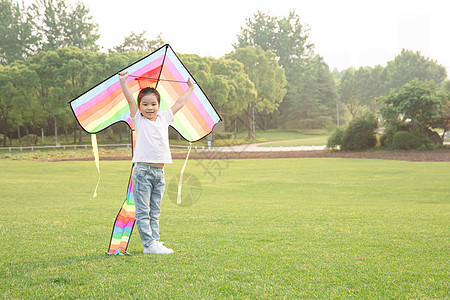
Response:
column 105, row 104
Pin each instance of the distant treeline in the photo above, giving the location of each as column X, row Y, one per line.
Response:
column 273, row 79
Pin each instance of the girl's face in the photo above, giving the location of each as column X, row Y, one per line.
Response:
column 149, row 106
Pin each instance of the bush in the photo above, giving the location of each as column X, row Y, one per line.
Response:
column 389, row 132
column 360, row 133
column 335, row 139
column 405, row 136
column 405, row 140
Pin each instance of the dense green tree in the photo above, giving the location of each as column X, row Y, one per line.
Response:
column 268, row 78
column 415, row 107
column 213, row 85
column 409, row 65
column 417, row 101
column 61, row 25
column 327, row 93
column 359, row 88
column 63, row 75
column 116, row 61
column 16, row 98
column 348, row 95
column 225, row 82
column 357, row 91
column 444, row 121
column 7, row 103
column 139, row 42
column 288, row 38
column 18, row 38
column 241, row 91
column 311, row 101
column 29, row 114
column 45, row 25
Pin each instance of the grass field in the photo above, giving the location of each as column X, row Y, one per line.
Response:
column 276, row 135
column 304, row 140
column 281, row 228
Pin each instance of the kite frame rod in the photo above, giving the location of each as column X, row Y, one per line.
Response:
column 156, row 79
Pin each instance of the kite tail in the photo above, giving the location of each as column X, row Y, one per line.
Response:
column 123, row 225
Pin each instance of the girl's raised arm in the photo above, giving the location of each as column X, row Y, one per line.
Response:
column 184, row 98
column 128, row 95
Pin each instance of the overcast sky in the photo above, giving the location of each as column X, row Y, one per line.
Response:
column 345, row 32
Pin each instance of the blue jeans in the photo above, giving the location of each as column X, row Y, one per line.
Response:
column 148, row 190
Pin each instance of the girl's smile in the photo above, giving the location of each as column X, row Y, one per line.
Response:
column 149, row 107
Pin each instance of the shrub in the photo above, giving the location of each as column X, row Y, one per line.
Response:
column 335, row 139
column 405, row 140
column 389, row 132
column 404, row 136
column 360, row 133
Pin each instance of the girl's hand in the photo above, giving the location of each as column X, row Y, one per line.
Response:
column 123, row 76
column 190, row 83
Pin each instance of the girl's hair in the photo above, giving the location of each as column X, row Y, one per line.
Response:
column 148, row 91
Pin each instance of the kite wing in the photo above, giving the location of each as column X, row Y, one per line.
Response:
column 105, row 104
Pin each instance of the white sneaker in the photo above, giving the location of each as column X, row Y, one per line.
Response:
column 164, row 248
column 157, row 248
column 153, row 249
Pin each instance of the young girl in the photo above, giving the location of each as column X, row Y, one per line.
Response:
column 150, row 154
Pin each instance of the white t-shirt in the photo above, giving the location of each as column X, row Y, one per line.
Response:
column 152, row 142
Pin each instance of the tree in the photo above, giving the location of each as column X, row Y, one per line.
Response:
column 347, row 92
column 18, row 39
column 288, row 38
column 326, row 92
column 268, row 78
column 232, row 85
column 16, row 99
column 359, row 88
column 444, row 121
column 118, row 60
column 214, row 85
column 311, row 97
column 415, row 107
column 225, row 82
column 409, row 65
column 45, row 25
column 417, row 101
column 61, row 25
column 81, row 32
column 7, row 103
column 139, row 42
column 63, row 75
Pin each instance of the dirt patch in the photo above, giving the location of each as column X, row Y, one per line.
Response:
column 435, row 155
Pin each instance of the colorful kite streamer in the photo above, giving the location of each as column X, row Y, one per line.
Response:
column 105, row 104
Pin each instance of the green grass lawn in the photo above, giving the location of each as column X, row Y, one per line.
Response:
column 281, row 228
column 272, row 135
column 305, row 140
